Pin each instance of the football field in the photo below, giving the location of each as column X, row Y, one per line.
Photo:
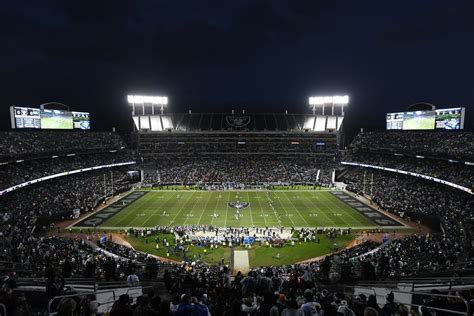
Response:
column 232, row 208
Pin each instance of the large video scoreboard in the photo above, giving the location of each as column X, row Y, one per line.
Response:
column 25, row 117
column 452, row 118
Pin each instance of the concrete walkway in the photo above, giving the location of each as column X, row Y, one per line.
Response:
column 241, row 262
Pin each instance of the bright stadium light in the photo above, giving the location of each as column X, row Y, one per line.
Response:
column 333, row 100
column 145, row 99
column 337, row 99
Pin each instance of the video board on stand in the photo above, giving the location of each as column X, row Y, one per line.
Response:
column 452, row 118
column 26, row 117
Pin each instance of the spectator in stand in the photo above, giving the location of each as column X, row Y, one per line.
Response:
column 242, row 171
column 133, row 280
column 309, row 307
column 16, row 144
column 326, row 268
column 292, row 309
column 66, row 307
column 415, row 197
column 15, row 173
column 122, row 306
column 55, row 285
column 458, row 145
column 445, row 169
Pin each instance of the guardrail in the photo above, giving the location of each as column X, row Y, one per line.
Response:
column 345, row 287
column 50, row 303
column 113, row 291
column 423, row 283
column 457, row 297
column 409, row 298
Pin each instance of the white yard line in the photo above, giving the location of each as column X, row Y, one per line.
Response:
column 284, row 209
column 250, row 207
column 153, row 214
column 181, row 208
column 261, row 210
column 323, row 212
column 275, row 213
column 204, row 209
column 215, row 209
column 307, row 224
column 191, row 211
column 133, row 216
column 227, row 209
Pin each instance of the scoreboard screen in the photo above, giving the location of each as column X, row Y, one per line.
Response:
column 81, row 120
column 452, row 118
column 25, row 117
column 56, row 119
column 419, row 120
column 22, row 117
column 395, row 120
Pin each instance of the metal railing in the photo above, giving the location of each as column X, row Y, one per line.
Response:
column 77, row 283
column 50, row 303
column 141, row 288
column 345, row 287
column 457, row 297
column 371, row 288
column 3, row 310
column 423, row 283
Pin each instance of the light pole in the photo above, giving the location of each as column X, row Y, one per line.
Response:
column 160, row 101
column 333, row 100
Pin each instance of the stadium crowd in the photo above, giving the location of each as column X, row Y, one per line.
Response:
column 298, row 286
column 25, row 215
column 418, row 198
column 457, row 145
column 62, row 198
column 25, row 170
column 16, row 144
column 199, row 289
column 455, row 172
column 248, row 171
column 238, row 148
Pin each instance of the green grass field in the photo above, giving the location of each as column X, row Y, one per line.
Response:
column 290, row 209
column 258, row 255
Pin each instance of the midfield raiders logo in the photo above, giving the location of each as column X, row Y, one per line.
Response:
column 239, row 205
column 238, row 120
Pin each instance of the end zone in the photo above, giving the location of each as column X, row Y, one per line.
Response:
column 99, row 217
column 367, row 211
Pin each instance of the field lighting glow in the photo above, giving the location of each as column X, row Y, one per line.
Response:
column 142, row 99
column 336, row 99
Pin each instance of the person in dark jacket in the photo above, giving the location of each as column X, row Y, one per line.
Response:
column 122, row 307
column 67, row 269
column 187, row 308
column 325, row 268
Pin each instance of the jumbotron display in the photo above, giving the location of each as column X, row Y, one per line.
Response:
column 452, row 118
column 25, row 117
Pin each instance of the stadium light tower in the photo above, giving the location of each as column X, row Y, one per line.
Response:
column 162, row 101
column 333, row 100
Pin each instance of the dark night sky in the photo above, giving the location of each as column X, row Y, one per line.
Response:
column 222, row 55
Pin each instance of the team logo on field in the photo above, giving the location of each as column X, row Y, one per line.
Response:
column 237, row 120
column 239, row 205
